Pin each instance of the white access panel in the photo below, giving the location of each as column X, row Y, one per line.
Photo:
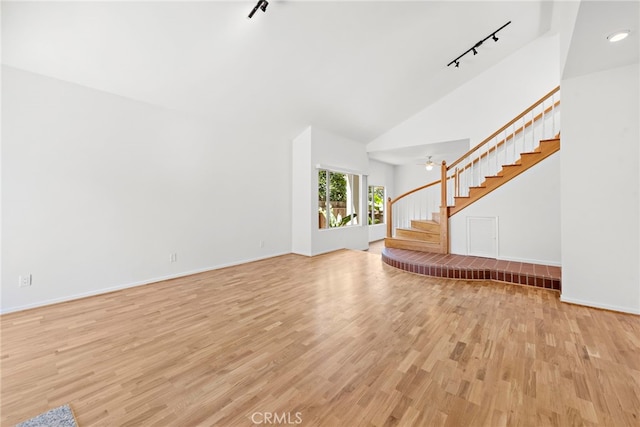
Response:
column 482, row 236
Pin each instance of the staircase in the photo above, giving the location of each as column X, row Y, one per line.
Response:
column 423, row 235
column 508, row 172
column 507, row 153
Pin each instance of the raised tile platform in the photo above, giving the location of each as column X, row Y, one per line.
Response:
column 473, row 268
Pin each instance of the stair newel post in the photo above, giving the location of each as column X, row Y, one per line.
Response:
column 443, row 185
column 389, row 218
column 444, row 214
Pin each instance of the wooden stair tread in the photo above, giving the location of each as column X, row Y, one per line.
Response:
column 410, row 240
column 426, row 221
column 508, row 172
column 411, row 244
column 427, row 236
column 425, row 226
column 418, row 230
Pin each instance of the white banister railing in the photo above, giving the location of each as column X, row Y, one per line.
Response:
column 420, row 203
column 521, row 135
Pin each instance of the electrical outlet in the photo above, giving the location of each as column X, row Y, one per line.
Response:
column 173, row 257
column 24, row 280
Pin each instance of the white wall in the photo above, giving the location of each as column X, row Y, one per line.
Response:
column 562, row 22
column 408, row 177
column 339, row 153
column 319, row 147
column 98, row 190
column 411, row 176
column 303, row 204
column 600, row 190
column 481, row 106
column 381, row 174
column 528, row 212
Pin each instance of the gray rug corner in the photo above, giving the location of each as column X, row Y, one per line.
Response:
column 57, row 417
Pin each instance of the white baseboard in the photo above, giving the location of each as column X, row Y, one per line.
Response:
column 531, row 261
column 599, row 305
column 515, row 259
column 131, row 285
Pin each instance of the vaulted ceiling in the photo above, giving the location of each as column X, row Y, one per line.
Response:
column 353, row 67
column 590, row 51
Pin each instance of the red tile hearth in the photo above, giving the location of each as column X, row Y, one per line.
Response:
column 473, row 268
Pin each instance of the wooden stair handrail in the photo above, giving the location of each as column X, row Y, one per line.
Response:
column 503, row 128
column 413, row 191
column 512, row 135
column 539, row 156
column 390, row 203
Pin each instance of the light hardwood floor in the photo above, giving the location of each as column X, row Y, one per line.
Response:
column 376, row 247
column 341, row 339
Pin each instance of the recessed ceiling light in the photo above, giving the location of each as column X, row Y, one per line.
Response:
column 618, row 35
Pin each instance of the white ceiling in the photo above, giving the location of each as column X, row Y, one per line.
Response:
column 418, row 154
column 355, row 68
column 590, row 50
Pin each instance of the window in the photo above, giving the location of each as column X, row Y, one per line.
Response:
column 375, row 199
column 338, row 199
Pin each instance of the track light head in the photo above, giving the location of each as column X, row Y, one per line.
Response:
column 495, row 39
column 457, row 64
column 262, row 5
column 475, row 52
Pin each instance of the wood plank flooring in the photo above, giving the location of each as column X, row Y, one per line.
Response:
column 335, row 340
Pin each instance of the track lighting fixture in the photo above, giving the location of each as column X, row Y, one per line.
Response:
column 475, row 47
column 262, row 5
